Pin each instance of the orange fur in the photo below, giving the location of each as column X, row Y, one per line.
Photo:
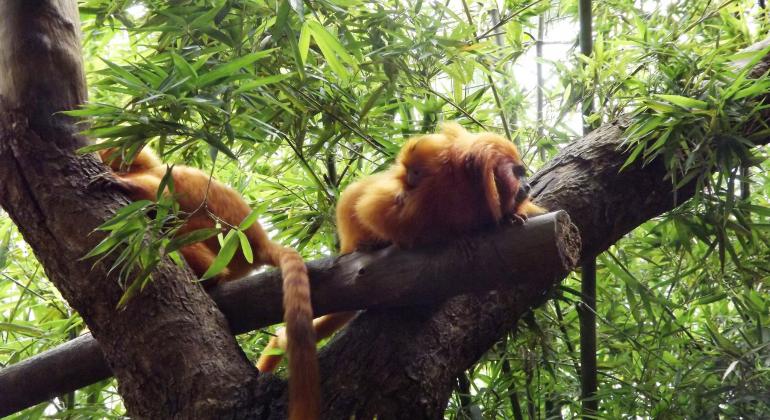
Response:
column 441, row 186
column 201, row 197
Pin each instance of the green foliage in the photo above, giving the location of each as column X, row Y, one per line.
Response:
column 35, row 318
column 290, row 101
column 706, row 127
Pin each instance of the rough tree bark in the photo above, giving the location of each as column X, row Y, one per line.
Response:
column 386, row 278
column 387, row 363
column 44, row 187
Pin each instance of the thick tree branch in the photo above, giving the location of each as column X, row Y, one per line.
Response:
column 385, row 278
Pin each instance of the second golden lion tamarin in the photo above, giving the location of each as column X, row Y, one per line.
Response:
column 441, row 186
column 206, row 202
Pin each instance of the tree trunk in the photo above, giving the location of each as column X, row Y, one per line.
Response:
column 170, row 348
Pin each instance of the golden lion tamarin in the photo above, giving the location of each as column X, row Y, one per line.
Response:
column 206, row 201
column 441, row 186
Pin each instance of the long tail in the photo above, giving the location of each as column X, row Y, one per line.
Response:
column 304, row 382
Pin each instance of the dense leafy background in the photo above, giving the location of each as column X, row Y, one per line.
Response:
column 289, row 101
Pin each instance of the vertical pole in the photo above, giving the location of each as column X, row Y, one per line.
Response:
column 540, row 83
column 587, row 310
column 588, row 365
column 586, row 48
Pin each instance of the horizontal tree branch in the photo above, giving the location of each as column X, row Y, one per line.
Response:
column 547, row 244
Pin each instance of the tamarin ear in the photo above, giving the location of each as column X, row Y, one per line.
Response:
column 453, row 130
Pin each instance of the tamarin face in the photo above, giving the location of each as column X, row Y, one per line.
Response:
column 512, row 185
column 507, row 170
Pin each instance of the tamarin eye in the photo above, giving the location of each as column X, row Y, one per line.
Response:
column 519, row 171
column 413, row 177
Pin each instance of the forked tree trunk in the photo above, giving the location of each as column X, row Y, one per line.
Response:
column 385, row 278
column 170, row 349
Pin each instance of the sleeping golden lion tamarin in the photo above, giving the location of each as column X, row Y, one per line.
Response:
column 441, row 186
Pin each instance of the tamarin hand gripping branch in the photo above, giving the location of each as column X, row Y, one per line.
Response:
column 441, row 186
column 205, row 201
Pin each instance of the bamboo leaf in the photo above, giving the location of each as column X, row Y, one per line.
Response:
column 331, row 49
column 21, row 329
column 226, row 254
column 262, row 81
column 249, row 220
column 304, row 42
column 245, row 247
column 684, row 102
column 230, row 68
